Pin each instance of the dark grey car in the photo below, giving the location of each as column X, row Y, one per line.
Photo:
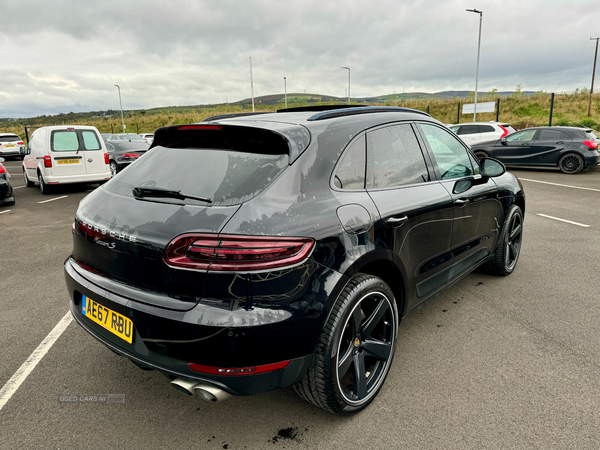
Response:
column 568, row 148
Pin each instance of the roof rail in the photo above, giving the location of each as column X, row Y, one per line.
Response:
column 315, row 108
column 228, row 116
column 363, row 110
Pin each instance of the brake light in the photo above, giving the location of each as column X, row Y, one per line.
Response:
column 20, row 143
column 199, row 127
column 238, row 370
column 131, row 155
column 231, row 253
column 106, row 159
column 591, row 144
column 2, row 169
column 505, row 131
column 47, row 161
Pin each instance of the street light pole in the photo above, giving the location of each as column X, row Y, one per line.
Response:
column 285, row 90
column 593, row 74
column 121, row 105
column 478, row 51
column 348, row 69
column 251, row 84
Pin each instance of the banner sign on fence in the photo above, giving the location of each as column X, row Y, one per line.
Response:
column 481, row 107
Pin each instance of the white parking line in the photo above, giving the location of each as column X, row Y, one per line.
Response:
column 18, row 187
column 564, row 220
column 561, row 185
column 27, row 367
column 4, row 212
column 55, row 198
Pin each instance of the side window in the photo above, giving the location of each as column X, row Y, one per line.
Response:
column 395, row 158
column 486, row 129
column 451, row 156
column 521, row 136
column 64, row 141
column 454, row 129
column 468, row 129
column 90, row 140
column 475, row 164
column 350, row 174
column 550, row 135
column 110, row 148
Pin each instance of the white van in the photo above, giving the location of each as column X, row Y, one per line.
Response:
column 65, row 154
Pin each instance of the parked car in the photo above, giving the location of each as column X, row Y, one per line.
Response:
column 568, row 148
column 246, row 254
column 123, row 153
column 107, row 136
column 65, row 154
column 7, row 195
column 476, row 132
column 10, row 145
column 148, row 137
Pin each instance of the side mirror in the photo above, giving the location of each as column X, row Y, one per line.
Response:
column 1, row 160
column 503, row 141
column 491, row 167
column 22, row 150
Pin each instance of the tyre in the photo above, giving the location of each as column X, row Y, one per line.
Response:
column 505, row 259
column 27, row 182
column 480, row 155
column 43, row 186
column 571, row 163
column 114, row 169
column 355, row 349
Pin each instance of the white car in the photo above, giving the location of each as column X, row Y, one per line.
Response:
column 148, row 137
column 65, row 154
column 10, row 145
column 476, row 132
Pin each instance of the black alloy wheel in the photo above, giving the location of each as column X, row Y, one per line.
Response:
column 571, row 163
column 113, row 169
column 509, row 248
column 356, row 348
column 480, row 155
column 44, row 188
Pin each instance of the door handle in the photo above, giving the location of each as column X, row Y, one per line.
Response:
column 526, row 143
column 560, row 142
column 461, row 202
column 396, row 222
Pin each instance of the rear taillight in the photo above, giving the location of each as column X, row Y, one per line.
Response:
column 236, row 253
column 2, row 169
column 106, row 159
column 47, row 161
column 591, row 144
column 131, row 155
column 20, row 143
column 237, row 370
column 505, row 131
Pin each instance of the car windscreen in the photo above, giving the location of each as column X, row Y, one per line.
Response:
column 227, row 177
column 9, row 138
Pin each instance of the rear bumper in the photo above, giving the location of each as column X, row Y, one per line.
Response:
column 84, row 178
column 167, row 340
column 592, row 159
column 6, row 191
column 10, row 152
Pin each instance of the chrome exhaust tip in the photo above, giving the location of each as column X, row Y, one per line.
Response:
column 185, row 386
column 210, row 393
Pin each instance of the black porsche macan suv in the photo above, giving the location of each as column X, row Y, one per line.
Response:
column 248, row 253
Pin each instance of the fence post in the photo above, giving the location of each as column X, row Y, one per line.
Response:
column 137, row 129
column 497, row 109
column 26, row 135
column 458, row 113
column 111, row 129
column 551, row 109
column 427, row 109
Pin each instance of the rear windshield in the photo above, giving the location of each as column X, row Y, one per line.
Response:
column 227, row 177
column 74, row 140
column 9, row 138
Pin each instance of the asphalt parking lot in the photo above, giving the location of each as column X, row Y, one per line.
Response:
column 492, row 363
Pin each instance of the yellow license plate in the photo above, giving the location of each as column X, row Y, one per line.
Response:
column 67, row 161
column 10, row 145
column 114, row 322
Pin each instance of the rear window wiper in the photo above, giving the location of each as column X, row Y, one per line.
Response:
column 141, row 192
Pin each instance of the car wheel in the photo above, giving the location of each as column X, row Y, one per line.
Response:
column 27, row 182
column 43, row 186
column 481, row 155
column 355, row 349
column 505, row 259
column 571, row 163
column 114, row 169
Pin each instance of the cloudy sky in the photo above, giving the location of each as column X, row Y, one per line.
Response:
column 66, row 55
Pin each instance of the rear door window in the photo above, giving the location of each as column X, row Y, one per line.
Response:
column 65, row 141
column 451, row 156
column 395, row 158
column 350, row 173
column 551, row 135
column 90, row 140
column 486, row 129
